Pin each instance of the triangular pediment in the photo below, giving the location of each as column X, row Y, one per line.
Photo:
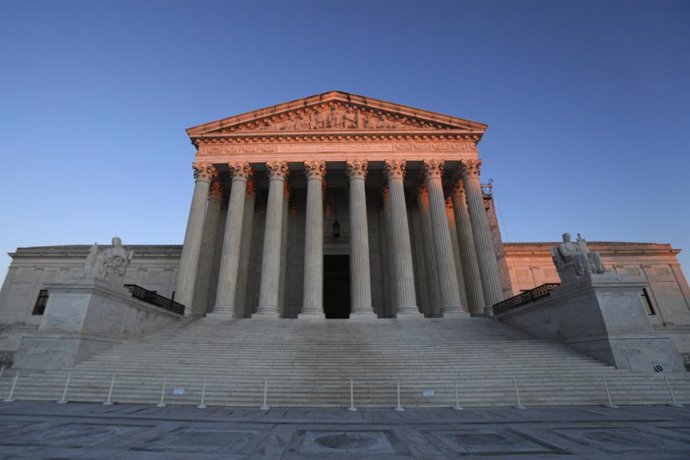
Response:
column 336, row 111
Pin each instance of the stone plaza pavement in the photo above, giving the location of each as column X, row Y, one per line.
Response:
column 92, row 431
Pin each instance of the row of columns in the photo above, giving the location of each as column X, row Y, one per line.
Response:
column 476, row 265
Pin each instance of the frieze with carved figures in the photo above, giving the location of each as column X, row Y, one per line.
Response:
column 334, row 116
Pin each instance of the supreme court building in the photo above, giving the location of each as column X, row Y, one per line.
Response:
column 340, row 206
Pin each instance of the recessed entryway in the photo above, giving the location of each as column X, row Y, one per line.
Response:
column 336, row 286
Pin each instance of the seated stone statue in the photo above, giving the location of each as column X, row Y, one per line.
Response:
column 574, row 259
column 109, row 264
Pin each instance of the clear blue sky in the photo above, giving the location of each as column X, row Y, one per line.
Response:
column 588, row 104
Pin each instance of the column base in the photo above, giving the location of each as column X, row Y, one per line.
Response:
column 456, row 315
column 365, row 315
column 266, row 312
column 222, row 312
column 411, row 312
column 312, row 315
column 454, row 311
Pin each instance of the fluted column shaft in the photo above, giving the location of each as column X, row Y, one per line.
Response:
column 230, row 256
column 313, row 242
column 283, row 251
column 191, row 249
column 468, row 253
column 429, row 253
column 445, row 263
column 450, row 215
column 486, row 255
column 390, row 264
column 242, row 309
column 360, row 271
column 402, row 250
column 270, row 263
column 208, row 250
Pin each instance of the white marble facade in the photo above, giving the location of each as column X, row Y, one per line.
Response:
column 271, row 186
column 417, row 236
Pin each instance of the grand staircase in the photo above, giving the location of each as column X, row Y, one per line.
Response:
column 303, row 363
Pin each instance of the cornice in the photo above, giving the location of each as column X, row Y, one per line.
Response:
column 335, row 136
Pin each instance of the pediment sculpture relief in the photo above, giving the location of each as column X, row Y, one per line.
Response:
column 335, row 117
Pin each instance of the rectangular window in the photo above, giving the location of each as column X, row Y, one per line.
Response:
column 41, row 302
column 647, row 302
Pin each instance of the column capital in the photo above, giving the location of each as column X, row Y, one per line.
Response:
column 240, row 170
column 204, row 171
column 277, row 169
column 471, row 167
column 432, row 169
column 395, row 169
column 216, row 192
column 315, row 169
column 357, row 169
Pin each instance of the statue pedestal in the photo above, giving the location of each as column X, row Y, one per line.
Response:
column 84, row 316
column 602, row 316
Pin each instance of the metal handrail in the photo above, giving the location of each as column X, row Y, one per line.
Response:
column 156, row 299
column 524, row 298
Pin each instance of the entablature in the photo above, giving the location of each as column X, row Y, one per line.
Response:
column 331, row 148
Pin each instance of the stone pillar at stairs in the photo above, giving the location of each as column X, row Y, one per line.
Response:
column 270, row 264
column 486, row 255
column 445, row 263
column 204, row 173
column 230, row 257
column 313, row 242
column 402, row 249
column 360, row 271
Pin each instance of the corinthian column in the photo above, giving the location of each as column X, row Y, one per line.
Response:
column 360, row 274
column 270, row 263
column 433, row 304
column 445, row 263
column 189, row 260
column 208, row 250
column 486, row 255
column 402, row 250
column 468, row 254
column 313, row 242
column 230, row 256
column 283, row 250
column 450, row 215
column 245, row 251
column 388, row 242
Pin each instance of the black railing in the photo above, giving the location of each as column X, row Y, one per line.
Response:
column 524, row 297
column 154, row 298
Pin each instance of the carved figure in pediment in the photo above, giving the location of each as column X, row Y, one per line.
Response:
column 321, row 120
column 351, row 118
column 303, row 121
column 334, row 120
column 333, row 116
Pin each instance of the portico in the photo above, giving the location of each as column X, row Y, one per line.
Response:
column 279, row 189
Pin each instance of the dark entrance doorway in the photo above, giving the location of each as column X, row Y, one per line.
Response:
column 336, row 286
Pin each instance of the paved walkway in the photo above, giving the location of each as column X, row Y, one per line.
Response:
column 40, row 430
